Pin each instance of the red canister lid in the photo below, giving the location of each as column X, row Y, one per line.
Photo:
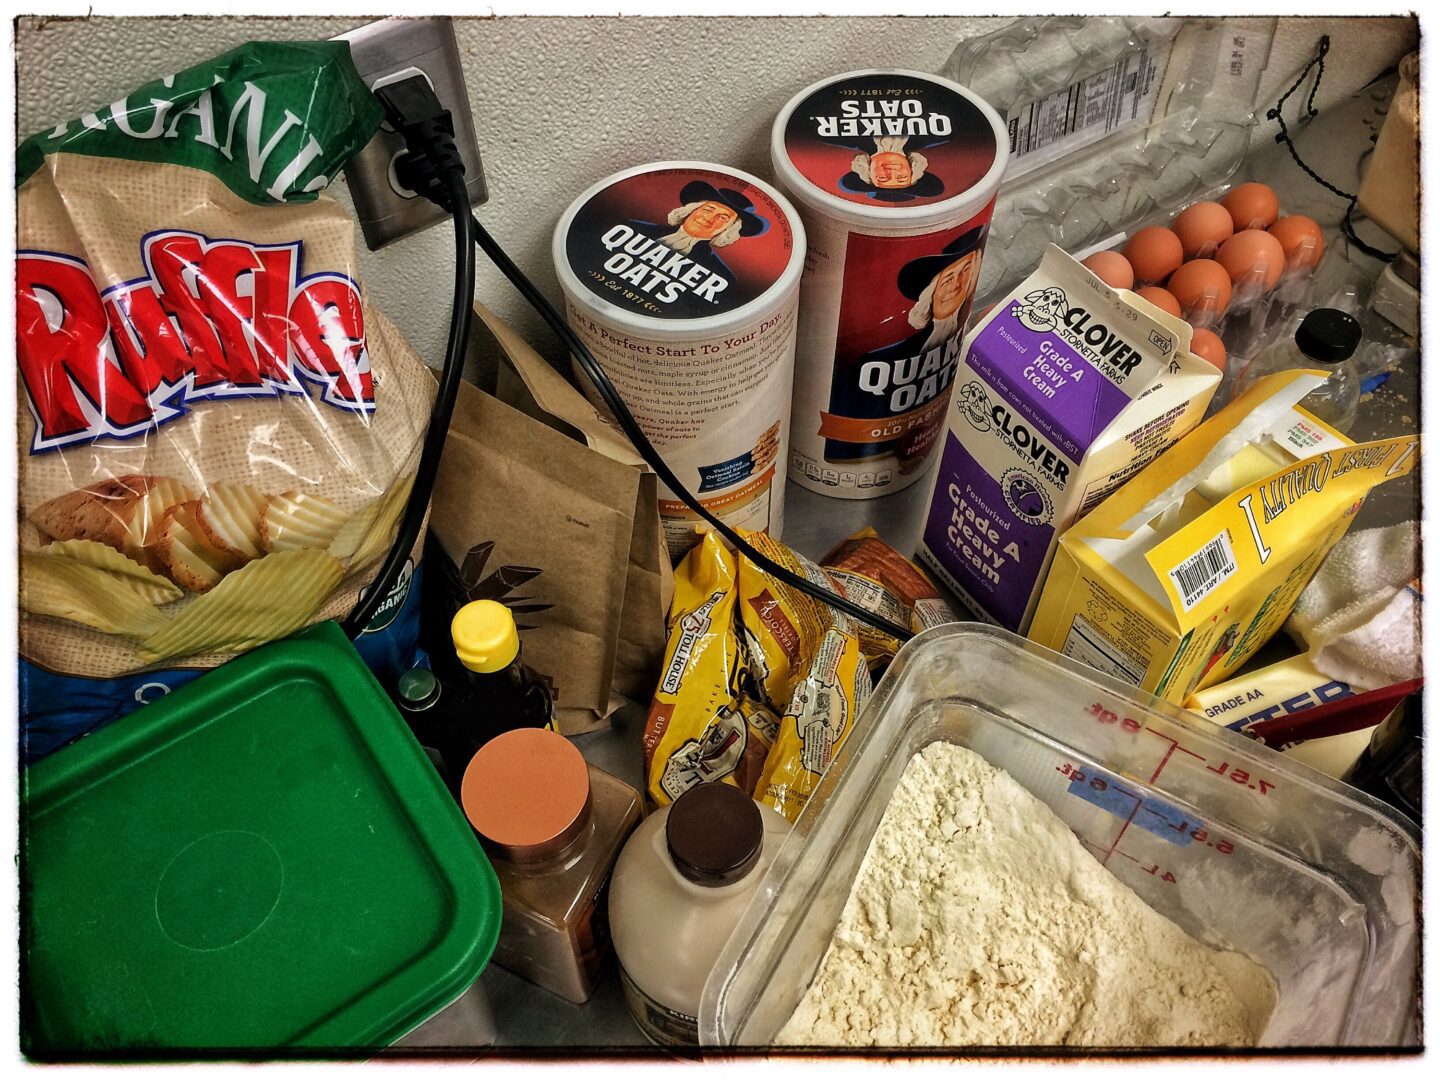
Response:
column 527, row 793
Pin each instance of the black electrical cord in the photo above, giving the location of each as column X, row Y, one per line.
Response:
column 439, row 175
column 432, row 168
column 616, row 404
column 1347, row 223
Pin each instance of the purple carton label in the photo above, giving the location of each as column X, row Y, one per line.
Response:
column 1022, row 354
column 991, row 535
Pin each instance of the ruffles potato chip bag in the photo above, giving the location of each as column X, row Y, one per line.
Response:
column 204, row 386
column 761, row 684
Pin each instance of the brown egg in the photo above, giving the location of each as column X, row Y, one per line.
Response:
column 1161, row 298
column 1302, row 239
column 1252, row 257
column 1112, row 268
column 1252, row 206
column 1154, row 253
column 1202, row 287
column 1207, row 345
column 1202, row 228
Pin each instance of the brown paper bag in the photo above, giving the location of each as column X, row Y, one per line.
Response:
column 548, row 510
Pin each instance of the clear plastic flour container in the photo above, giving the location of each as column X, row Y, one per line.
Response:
column 1242, row 848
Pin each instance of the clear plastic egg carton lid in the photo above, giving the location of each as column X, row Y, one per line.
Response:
column 1113, row 121
column 1241, row 847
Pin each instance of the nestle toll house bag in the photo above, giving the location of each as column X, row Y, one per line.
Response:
column 217, row 431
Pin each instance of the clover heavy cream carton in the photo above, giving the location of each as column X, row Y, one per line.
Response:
column 217, row 431
column 1068, row 388
column 1176, row 580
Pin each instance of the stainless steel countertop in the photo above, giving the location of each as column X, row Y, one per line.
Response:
column 1335, row 144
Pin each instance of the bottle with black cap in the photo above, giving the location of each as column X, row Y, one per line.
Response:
column 1325, row 340
column 679, row 888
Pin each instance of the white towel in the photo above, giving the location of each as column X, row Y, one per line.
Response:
column 1360, row 615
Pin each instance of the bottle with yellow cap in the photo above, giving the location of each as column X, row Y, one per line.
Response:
column 484, row 692
column 506, row 693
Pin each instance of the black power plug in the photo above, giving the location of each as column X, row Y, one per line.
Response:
column 413, row 109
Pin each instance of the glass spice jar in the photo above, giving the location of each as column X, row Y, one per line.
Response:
column 553, row 826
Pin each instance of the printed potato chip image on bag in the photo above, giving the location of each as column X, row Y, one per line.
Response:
column 217, row 430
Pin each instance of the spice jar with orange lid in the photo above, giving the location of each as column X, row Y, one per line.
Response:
column 553, row 826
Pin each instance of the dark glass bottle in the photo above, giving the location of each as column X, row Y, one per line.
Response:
column 504, row 692
column 418, row 695
column 485, row 691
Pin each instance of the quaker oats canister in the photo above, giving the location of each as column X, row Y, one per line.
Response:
column 895, row 174
column 682, row 277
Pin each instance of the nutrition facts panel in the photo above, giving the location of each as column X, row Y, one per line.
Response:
column 1085, row 111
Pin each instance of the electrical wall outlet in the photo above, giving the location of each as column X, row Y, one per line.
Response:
column 384, row 52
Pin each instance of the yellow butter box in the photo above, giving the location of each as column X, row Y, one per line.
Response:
column 1177, row 578
column 1280, row 690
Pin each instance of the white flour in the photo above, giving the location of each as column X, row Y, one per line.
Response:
column 978, row 918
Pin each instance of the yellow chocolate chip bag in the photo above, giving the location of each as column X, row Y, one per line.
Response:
column 706, row 722
column 807, row 657
column 756, row 673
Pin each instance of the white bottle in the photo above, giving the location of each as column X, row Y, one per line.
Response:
column 678, row 890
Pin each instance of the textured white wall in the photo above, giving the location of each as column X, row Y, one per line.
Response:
column 561, row 102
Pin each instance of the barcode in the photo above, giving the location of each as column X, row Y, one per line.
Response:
column 1197, row 576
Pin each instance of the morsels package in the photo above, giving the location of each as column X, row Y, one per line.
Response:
column 761, row 686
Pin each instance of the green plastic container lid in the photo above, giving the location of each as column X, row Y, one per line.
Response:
column 262, row 861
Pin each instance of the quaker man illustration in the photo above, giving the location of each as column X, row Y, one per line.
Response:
column 941, row 286
column 714, row 217
column 890, row 174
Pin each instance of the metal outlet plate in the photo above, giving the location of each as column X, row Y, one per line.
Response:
column 382, row 50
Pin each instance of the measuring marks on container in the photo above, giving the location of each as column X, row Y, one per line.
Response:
column 1127, row 802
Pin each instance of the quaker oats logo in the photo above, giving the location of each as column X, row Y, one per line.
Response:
column 1043, row 309
column 972, row 400
column 1026, row 498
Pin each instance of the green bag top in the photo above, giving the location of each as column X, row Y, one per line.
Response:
column 274, row 120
